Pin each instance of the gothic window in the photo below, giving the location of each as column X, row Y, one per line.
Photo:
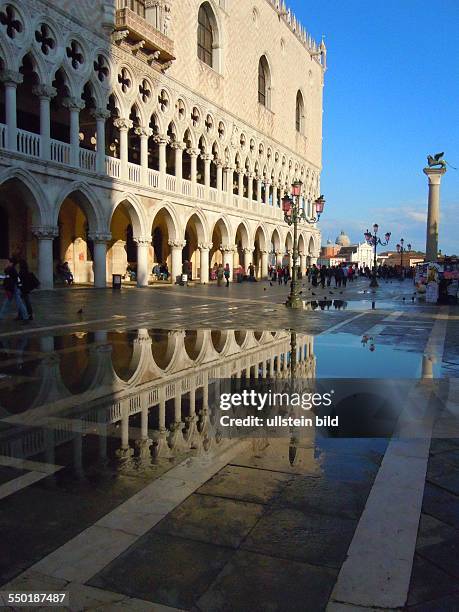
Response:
column 299, row 117
column 137, row 6
column 263, row 82
column 205, row 34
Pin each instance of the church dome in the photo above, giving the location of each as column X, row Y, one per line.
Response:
column 343, row 240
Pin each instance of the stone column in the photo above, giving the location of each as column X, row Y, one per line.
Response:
column 162, row 141
column 11, row 79
column 124, row 125
column 250, row 188
column 228, row 258
column 193, row 153
column 259, row 185
column 219, row 176
column 228, row 178
column 248, row 258
column 264, row 264
column 179, row 147
column 75, row 105
column 100, row 259
column 433, row 215
column 45, row 93
column 205, row 250
column 176, row 267
column 240, row 189
column 125, row 452
column 145, row 442
column 144, row 133
column 100, row 115
column 207, row 161
column 267, row 186
column 274, row 196
column 143, row 272
column 45, row 236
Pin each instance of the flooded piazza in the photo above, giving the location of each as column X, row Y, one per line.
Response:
column 120, row 487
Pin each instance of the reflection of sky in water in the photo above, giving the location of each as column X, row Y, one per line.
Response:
column 342, row 355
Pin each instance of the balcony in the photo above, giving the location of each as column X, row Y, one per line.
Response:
column 139, row 30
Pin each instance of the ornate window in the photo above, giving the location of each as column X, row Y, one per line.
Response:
column 264, row 82
column 299, row 115
column 205, row 35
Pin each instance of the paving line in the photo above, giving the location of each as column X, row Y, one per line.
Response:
column 377, row 570
column 32, row 330
column 89, row 552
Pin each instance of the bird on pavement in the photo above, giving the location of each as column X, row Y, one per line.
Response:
column 80, row 311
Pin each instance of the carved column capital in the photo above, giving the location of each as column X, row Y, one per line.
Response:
column 193, row 152
column 178, row 146
column 44, row 91
column 11, row 77
column 143, row 131
column 249, row 250
column 205, row 246
column 177, row 244
column 122, row 124
column 73, row 103
column 100, row 113
column 45, row 232
column 100, row 237
column 142, row 241
column 162, row 139
column 228, row 248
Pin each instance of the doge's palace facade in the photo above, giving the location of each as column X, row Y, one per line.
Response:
column 137, row 132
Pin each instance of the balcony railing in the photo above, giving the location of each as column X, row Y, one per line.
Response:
column 30, row 144
column 141, row 30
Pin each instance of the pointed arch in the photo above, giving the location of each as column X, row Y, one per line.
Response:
column 34, row 196
column 89, row 202
column 209, row 49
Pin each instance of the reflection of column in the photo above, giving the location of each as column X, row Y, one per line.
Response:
column 144, row 133
column 78, row 454
column 264, row 264
column 144, row 443
column 100, row 115
column 75, row 105
column 176, row 250
column 123, row 125
column 143, row 272
column 100, row 259
column 11, row 80
column 205, row 249
column 433, row 215
column 45, row 236
column 45, row 93
column 125, row 452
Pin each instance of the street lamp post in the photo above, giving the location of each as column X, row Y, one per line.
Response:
column 401, row 249
column 373, row 240
column 294, row 214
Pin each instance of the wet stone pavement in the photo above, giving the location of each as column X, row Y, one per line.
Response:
column 117, row 485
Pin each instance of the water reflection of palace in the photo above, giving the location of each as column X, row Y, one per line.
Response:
column 130, row 395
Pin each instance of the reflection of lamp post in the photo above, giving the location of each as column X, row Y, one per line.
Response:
column 401, row 249
column 293, row 214
column 373, row 240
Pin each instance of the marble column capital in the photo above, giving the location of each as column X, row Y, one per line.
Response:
column 434, row 175
column 228, row 248
column 205, row 246
column 177, row 244
column 193, row 152
column 161, row 139
column 11, row 77
column 178, row 146
column 45, row 92
column 100, row 113
column 123, row 124
column 73, row 103
column 142, row 241
column 45, row 232
column 249, row 251
column 100, row 237
column 143, row 131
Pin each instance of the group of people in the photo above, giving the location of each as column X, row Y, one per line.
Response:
column 64, row 273
column 281, row 274
column 18, row 284
column 324, row 275
column 161, row 271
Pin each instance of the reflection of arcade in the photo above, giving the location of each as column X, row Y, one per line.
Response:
column 151, row 389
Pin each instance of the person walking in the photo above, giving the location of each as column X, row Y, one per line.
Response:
column 12, row 287
column 345, row 275
column 280, row 274
column 323, row 276
column 314, row 275
column 220, row 274
column 329, row 275
column 227, row 274
column 28, row 282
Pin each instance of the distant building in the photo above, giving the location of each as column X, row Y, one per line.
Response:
column 345, row 252
column 394, row 259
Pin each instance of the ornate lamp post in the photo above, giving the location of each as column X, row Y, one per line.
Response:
column 373, row 240
column 401, row 249
column 294, row 214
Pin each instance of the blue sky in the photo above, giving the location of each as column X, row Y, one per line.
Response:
column 391, row 98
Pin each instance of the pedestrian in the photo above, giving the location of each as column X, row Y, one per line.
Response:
column 29, row 282
column 12, row 287
column 345, row 274
column 252, row 278
column 280, row 274
column 329, row 275
column 286, row 275
column 314, row 275
column 323, row 276
column 227, row 274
